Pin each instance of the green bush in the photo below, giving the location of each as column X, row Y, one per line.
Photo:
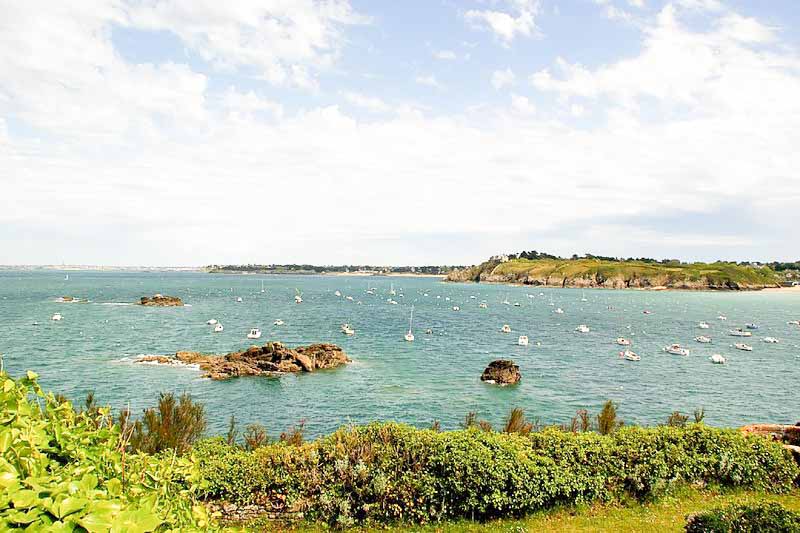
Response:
column 67, row 471
column 386, row 472
column 745, row 518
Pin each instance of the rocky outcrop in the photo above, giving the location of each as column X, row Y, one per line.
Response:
column 788, row 435
column 159, row 300
column 271, row 359
column 501, row 372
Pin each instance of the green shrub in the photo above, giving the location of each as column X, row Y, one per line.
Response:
column 767, row 517
column 386, row 472
column 67, row 471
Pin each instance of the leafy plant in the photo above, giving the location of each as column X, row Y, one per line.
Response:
column 678, row 420
column 748, row 518
column 607, row 421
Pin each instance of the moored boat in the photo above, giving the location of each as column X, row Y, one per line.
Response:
column 676, row 349
column 744, row 347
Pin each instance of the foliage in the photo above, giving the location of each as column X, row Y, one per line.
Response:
column 607, row 421
column 173, row 425
column 677, row 419
column 61, row 470
column 386, row 472
column 766, row 517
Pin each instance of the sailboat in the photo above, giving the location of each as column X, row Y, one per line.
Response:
column 298, row 298
column 392, row 291
column 262, row 286
column 583, row 296
column 66, row 278
column 410, row 336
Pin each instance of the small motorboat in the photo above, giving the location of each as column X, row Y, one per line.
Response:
column 739, row 332
column 370, row 291
column 255, row 333
column 429, row 331
column 482, row 305
column 794, row 322
column 718, row 359
column 393, row 302
column 750, row 325
column 771, row 340
column 472, row 297
column 218, row 328
column 703, row 325
column 676, row 349
column 57, row 317
column 506, row 328
column 647, row 312
column 629, row 355
column 347, row 329
column 337, row 293
column 583, row 328
column 559, row 311
column 523, row 340
column 702, row 339
column 517, row 304
column 744, row 347
column 722, row 317
column 278, row 322
column 348, row 298
column 212, row 322
column 622, row 341
column 456, row 308
column 239, row 299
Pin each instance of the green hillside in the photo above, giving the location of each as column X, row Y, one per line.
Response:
column 620, row 274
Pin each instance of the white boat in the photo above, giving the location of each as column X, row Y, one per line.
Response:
column 506, row 328
column 702, row 339
column 506, row 302
column 239, row 299
column 298, row 298
column 647, row 312
column 255, row 333
column 456, row 308
column 56, row 317
column 717, row 359
column 429, row 331
column 218, row 328
column 262, row 286
column 559, row 311
column 337, row 293
column 392, row 302
column 410, row 335
column 583, row 297
column 750, row 325
column 583, row 328
column 392, row 291
column 771, row 340
column 348, row 330
column 722, row 317
column 370, row 291
column 703, row 325
column 212, row 322
column 622, row 341
column 517, row 304
column 66, row 278
column 744, row 347
column 472, row 297
column 629, row 355
column 794, row 322
column 739, row 332
column 278, row 322
column 676, row 349
column 482, row 305
column 523, row 340
column 348, row 298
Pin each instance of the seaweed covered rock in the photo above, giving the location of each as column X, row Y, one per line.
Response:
column 159, row 300
column 501, row 372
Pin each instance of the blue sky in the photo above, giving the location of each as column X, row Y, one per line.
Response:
column 179, row 132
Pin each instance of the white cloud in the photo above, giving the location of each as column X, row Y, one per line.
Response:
column 503, row 78
column 247, row 103
column 282, row 39
column 430, row 81
column 522, row 105
column 576, row 110
column 370, row 103
column 446, row 55
column 505, row 25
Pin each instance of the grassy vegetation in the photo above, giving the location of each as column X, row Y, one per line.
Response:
column 617, row 274
column 667, row 514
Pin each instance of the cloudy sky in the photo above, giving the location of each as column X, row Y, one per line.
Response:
column 189, row 132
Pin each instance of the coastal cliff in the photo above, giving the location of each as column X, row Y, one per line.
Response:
column 597, row 273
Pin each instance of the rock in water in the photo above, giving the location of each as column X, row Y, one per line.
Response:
column 501, row 372
column 159, row 300
column 271, row 359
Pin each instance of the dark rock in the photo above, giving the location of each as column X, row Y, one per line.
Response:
column 501, row 372
column 159, row 300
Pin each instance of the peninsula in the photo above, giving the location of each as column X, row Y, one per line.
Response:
column 612, row 273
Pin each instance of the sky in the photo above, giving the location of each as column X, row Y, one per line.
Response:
column 193, row 132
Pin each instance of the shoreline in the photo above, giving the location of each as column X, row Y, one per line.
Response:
column 772, row 290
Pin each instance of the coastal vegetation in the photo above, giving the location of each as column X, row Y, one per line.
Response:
column 68, row 470
column 327, row 269
column 619, row 274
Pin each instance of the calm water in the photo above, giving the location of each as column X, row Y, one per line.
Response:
column 435, row 377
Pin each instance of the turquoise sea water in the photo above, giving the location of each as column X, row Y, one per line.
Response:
column 434, row 378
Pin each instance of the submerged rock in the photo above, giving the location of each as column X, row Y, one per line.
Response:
column 501, row 372
column 159, row 300
column 271, row 359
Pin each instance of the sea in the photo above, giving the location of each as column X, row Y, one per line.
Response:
column 434, row 378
